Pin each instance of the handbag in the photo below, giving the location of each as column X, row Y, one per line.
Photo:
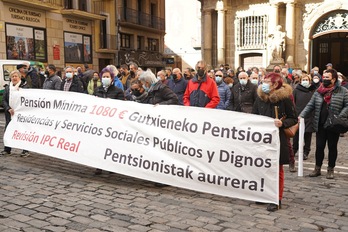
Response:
column 290, row 132
column 336, row 124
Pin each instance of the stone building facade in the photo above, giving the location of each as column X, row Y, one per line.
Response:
column 75, row 32
column 240, row 33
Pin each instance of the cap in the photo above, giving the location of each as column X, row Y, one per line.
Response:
column 329, row 64
column 21, row 66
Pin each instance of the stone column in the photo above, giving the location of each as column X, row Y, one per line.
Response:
column 220, row 32
column 207, row 36
column 290, row 32
column 274, row 16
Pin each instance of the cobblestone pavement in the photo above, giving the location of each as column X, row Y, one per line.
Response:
column 40, row 193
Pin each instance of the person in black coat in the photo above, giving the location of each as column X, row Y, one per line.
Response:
column 158, row 93
column 274, row 94
column 302, row 95
column 243, row 95
column 16, row 83
column 108, row 89
column 71, row 82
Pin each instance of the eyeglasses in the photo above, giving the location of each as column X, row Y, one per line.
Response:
column 218, row 75
column 134, row 90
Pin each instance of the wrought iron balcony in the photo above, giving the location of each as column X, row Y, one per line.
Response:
column 107, row 41
column 139, row 18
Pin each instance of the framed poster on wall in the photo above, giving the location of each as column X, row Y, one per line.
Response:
column 77, row 48
column 25, row 43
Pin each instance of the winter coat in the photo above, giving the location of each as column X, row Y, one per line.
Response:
column 178, row 87
column 33, row 79
column 203, row 93
column 302, row 96
column 338, row 105
column 243, row 97
column 225, row 95
column 6, row 99
column 111, row 92
column 76, row 85
column 90, row 86
column 265, row 105
column 161, row 94
column 52, row 82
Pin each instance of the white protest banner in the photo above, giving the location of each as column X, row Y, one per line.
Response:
column 214, row 151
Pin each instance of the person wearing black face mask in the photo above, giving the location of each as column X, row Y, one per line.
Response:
column 52, row 81
column 330, row 96
column 138, row 93
column 178, row 84
column 201, row 91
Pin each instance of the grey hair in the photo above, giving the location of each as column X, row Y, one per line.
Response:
column 68, row 67
column 148, row 77
column 113, row 69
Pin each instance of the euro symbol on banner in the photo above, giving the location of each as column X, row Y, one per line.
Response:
column 121, row 114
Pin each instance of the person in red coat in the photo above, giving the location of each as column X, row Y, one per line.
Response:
column 201, row 90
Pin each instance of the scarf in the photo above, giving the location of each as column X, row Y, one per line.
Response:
column 326, row 92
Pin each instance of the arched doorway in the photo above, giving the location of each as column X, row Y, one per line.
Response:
column 250, row 60
column 330, row 41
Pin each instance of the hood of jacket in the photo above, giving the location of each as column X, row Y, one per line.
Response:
column 275, row 96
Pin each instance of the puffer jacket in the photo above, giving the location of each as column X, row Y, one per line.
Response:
column 203, row 93
column 265, row 105
column 112, row 92
column 338, row 105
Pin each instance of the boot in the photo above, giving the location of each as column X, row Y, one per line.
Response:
column 292, row 167
column 273, row 207
column 330, row 173
column 316, row 172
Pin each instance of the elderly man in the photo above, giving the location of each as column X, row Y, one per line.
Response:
column 52, row 81
column 161, row 76
column 178, row 84
column 223, row 89
column 243, row 94
column 71, row 82
column 201, row 91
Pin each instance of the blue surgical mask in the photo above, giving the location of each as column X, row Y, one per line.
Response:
column 243, row 81
column 106, row 82
column 146, row 88
column 305, row 84
column 218, row 80
column 266, row 88
column 69, row 75
column 254, row 81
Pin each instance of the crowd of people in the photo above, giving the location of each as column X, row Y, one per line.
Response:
column 283, row 93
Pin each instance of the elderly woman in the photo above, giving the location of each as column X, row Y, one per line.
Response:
column 137, row 93
column 273, row 93
column 302, row 94
column 15, row 84
column 107, row 88
column 158, row 93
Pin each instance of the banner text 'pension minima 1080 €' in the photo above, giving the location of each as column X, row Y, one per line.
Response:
column 214, row 151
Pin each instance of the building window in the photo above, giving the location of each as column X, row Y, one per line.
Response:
column 323, row 48
column 152, row 44
column 251, row 32
column 140, row 43
column 125, row 41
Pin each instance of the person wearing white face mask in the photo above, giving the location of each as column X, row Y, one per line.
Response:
column 224, row 91
column 302, row 95
column 107, row 90
column 243, row 94
column 71, row 82
column 275, row 93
